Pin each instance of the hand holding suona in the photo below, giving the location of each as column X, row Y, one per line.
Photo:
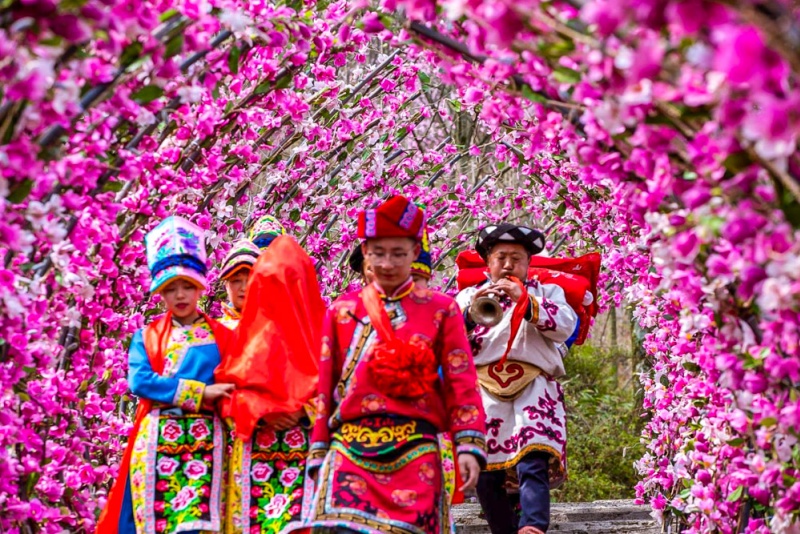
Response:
column 486, row 310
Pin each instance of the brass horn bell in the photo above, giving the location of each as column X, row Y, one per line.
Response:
column 486, row 311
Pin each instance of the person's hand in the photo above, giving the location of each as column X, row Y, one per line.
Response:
column 508, row 287
column 284, row 421
column 212, row 393
column 486, row 291
column 469, row 468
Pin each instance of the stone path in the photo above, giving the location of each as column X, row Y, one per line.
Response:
column 617, row 517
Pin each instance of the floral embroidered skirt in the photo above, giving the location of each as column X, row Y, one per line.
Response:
column 536, row 421
column 407, row 494
column 265, row 481
column 176, row 473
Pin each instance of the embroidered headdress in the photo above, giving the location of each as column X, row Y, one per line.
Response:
column 265, row 230
column 397, row 217
column 243, row 255
column 532, row 240
column 176, row 249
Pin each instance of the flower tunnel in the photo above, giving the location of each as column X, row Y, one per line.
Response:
column 660, row 133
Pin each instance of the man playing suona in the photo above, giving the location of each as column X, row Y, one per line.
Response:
column 235, row 272
column 380, row 451
column 518, row 361
column 170, row 477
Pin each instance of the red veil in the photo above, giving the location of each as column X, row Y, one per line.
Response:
column 273, row 356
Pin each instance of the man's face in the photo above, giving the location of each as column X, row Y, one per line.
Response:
column 180, row 297
column 390, row 259
column 508, row 259
column 236, row 286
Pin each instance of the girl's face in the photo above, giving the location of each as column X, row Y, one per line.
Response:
column 180, row 297
column 236, row 286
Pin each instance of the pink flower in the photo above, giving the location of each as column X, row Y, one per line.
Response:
column 294, row 438
column 289, row 476
column 372, row 23
column 199, row 430
column 277, row 506
column 167, row 466
column 161, row 525
column 473, row 95
column 200, row 333
column 71, row 28
column 171, row 431
column 261, row 471
column 265, row 438
column 195, row 469
column 184, row 498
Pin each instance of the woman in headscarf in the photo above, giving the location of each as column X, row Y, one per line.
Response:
column 235, row 272
column 275, row 377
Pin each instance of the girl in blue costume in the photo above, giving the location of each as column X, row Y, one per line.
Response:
column 171, row 474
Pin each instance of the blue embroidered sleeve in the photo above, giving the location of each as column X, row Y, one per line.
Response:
column 143, row 381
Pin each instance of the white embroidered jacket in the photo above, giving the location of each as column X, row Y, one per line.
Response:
column 536, row 343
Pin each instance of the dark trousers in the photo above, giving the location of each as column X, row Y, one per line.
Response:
column 534, row 496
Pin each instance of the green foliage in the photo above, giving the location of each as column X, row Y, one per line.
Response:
column 603, row 428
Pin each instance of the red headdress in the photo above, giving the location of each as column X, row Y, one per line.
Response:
column 397, row 217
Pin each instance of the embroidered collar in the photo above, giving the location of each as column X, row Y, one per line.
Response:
column 178, row 324
column 402, row 291
column 230, row 311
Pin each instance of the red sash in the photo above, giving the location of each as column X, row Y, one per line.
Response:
column 156, row 337
column 383, row 327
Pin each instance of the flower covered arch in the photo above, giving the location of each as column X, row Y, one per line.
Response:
column 662, row 133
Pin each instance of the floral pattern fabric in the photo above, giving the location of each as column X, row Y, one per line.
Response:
column 176, row 471
column 409, row 494
column 266, row 481
column 176, row 474
column 189, row 395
